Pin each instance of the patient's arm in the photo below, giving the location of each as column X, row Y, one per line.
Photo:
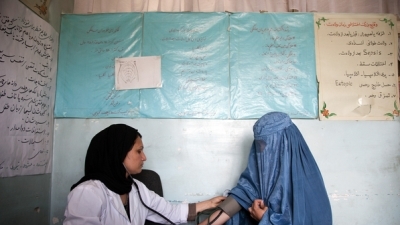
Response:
column 228, row 208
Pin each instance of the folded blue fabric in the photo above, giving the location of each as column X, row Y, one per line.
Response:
column 281, row 171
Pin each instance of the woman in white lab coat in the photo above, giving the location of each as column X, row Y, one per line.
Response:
column 107, row 194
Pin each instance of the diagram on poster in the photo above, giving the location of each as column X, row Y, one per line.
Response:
column 138, row 72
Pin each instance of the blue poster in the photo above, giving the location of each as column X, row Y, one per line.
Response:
column 272, row 65
column 89, row 45
column 194, row 50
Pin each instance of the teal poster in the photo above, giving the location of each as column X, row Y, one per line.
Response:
column 213, row 65
column 89, row 45
column 194, row 50
column 272, row 65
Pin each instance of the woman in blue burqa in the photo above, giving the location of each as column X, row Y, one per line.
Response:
column 281, row 184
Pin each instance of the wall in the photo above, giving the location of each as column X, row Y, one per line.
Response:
column 198, row 159
column 56, row 8
column 26, row 199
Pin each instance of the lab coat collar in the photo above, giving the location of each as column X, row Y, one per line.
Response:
column 116, row 202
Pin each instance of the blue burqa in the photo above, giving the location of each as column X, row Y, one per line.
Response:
column 281, row 171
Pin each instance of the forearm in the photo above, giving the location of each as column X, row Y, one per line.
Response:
column 227, row 209
column 201, row 206
column 209, row 204
column 195, row 208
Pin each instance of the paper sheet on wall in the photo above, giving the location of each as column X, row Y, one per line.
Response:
column 89, row 45
column 28, row 65
column 357, row 66
column 138, row 72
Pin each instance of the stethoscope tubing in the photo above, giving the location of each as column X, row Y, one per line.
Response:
column 141, row 200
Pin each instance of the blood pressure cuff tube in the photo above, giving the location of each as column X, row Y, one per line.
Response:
column 230, row 206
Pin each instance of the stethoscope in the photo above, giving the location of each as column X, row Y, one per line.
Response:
column 141, row 200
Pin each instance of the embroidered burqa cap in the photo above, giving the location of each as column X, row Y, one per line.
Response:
column 107, row 150
column 282, row 171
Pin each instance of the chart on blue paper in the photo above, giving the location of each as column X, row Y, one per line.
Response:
column 272, row 65
column 89, row 45
column 194, row 50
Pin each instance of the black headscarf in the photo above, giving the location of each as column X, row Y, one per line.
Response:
column 105, row 156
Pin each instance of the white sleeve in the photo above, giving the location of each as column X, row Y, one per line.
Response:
column 85, row 205
column 177, row 213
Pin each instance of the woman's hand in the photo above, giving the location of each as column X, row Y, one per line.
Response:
column 257, row 209
column 210, row 203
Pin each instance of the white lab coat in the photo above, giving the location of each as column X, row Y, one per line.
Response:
column 92, row 203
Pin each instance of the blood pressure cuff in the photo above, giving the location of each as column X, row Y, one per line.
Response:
column 230, row 206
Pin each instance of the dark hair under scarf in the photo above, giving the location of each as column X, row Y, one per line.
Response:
column 105, row 155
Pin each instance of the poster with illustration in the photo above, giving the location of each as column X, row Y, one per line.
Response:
column 89, row 45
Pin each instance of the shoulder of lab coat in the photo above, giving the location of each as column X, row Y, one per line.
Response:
column 86, row 203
